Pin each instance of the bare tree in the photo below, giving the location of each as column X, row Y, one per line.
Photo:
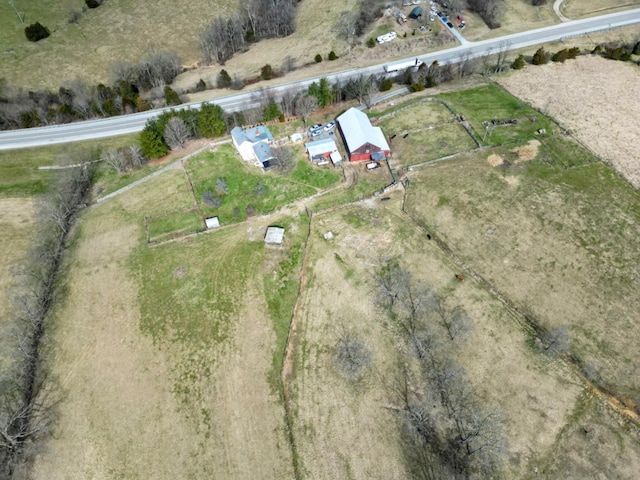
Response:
column 352, row 355
column 285, row 160
column 136, row 156
column 347, row 27
column 454, row 319
column 117, row 159
column 176, row 133
column 305, row 105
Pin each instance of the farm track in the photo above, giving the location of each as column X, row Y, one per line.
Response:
column 525, row 321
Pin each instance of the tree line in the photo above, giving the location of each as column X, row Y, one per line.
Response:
column 25, row 410
column 131, row 91
column 448, row 432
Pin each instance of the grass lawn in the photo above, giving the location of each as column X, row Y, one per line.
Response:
column 421, row 115
column 429, row 144
column 19, row 174
column 174, row 224
column 488, row 103
column 249, row 191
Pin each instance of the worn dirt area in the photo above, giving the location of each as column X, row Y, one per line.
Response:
column 527, row 152
column 598, row 100
column 495, row 160
column 535, row 395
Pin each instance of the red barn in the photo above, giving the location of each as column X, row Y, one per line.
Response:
column 360, row 137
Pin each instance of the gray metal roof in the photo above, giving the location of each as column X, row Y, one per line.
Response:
column 357, row 130
column 256, row 134
column 275, row 235
column 263, row 152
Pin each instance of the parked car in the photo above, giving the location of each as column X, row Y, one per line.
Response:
column 449, row 24
column 317, row 132
column 329, row 126
column 315, row 127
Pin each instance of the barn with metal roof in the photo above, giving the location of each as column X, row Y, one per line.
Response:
column 360, row 137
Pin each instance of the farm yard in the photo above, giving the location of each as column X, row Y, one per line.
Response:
column 291, row 361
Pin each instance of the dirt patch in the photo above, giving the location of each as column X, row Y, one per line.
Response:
column 512, row 181
column 527, row 152
column 598, row 100
column 495, row 160
column 180, row 272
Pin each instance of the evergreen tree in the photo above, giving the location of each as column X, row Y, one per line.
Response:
column 519, row 63
column 322, row 92
column 271, row 111
column 224, row 79
column 540, row 57
column 211, row 120
column 152, row 142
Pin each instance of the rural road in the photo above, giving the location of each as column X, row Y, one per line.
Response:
column 557, row 5
column 125, row 124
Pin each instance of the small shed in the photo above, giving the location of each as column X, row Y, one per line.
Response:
column 416, row 13
column 274, row 236
column 336, row 158
column 319, row 150
column 296, row 137
column 212, row 222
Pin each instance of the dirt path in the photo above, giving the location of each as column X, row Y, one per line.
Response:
column 556, row 8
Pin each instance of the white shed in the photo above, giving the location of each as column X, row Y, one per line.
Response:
column 212, row 222
column 274, row 236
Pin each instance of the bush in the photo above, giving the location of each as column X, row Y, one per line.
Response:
column 201, row 86
column 208, row 198
column 170, row 96
column 332, row 55
column 560, row 56
column 93, row 3
column 224, row 79
column 540, row 57
column 573, row 52
column 636, row 49
column 519, row 63
column 417, row 87
column 371, row 42
column 237, row 83
column 36, row 32
column 266, row 73
column 318, row 58
column 386, row 84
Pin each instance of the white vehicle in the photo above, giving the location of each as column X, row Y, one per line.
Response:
column 402, row 65
column 387, row 37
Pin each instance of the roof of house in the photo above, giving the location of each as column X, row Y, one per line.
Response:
column 320, row 147
column 263, row 153
column 275, row 235
column 416, row 12
column 357, row 130
column 256, row 134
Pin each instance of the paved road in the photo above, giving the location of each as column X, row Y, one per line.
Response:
column 109, row 127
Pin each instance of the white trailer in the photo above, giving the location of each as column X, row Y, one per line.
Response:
column 402, row 65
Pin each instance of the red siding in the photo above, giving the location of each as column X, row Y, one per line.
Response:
column 359, row 157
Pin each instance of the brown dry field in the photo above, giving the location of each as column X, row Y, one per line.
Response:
column 345, row 430
column 598, row 100
column 587, row 8
column 120, row 415
column 16, row 224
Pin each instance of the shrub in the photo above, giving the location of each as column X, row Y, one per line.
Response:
column 36, row 32
column 208, row 198
column 540, row 57
column 201, row 86
column 386, row 84
column 519, row 63
column 93, row 3
column 318, row 58
column 636, row 49
column 417, row 87
column 560, row 56
column 573, row 52
column 237, row 83
column 266, row 72
column 170, row 96
column 332, row 55
column 224, row 79
column 371, row 42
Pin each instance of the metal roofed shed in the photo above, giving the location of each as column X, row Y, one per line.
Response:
column 416, row 13
column 212, row 222
column 274, row 236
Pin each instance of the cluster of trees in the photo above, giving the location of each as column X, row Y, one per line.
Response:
column 489, row 10
column 124, row 159
column 77, row 100
column 448, row 432
column 258, row 19
column 25, row 412
column 173, row 129
column 618, row 51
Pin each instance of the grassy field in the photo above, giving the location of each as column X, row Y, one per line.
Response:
column 249, row 191
column 189, row 336
column 489, row 103
column 511, row 224
column 19, row 174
